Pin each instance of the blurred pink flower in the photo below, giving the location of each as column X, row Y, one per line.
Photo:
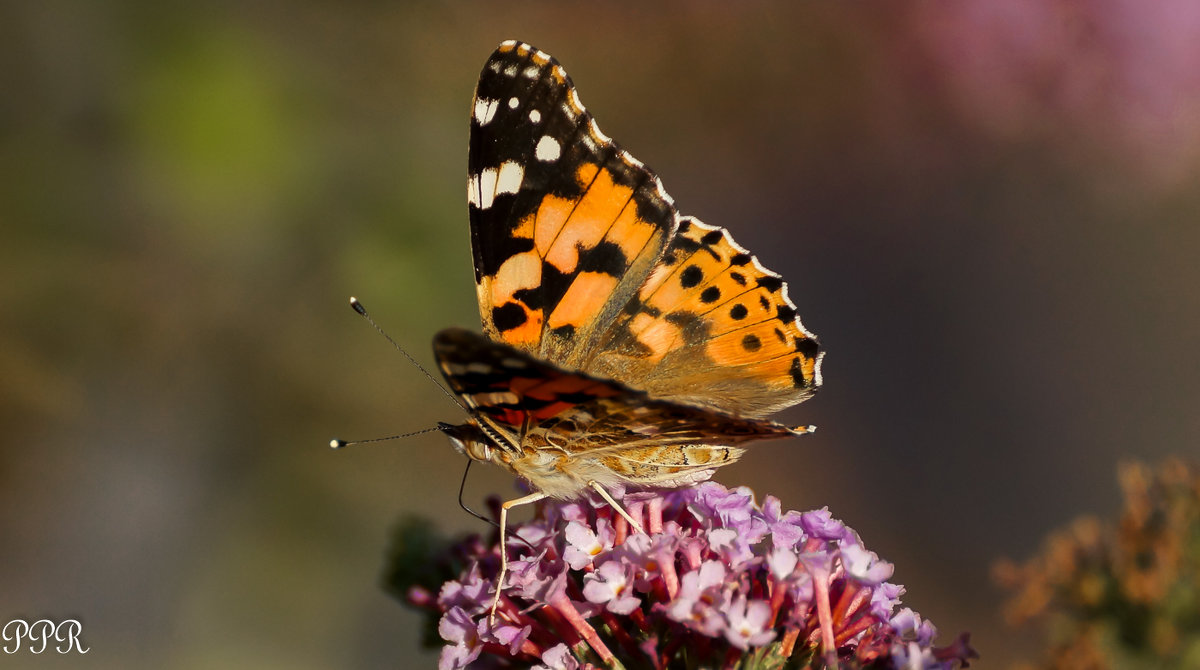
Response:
column 1117, row 74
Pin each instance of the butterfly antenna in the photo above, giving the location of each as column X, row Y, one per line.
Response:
column 357, row 306
column 338, row 444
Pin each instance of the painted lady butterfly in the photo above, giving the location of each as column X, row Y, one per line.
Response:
column 624, row 344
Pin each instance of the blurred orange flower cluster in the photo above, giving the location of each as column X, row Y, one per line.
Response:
column 1123, row 595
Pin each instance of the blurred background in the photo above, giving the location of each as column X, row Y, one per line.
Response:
column 988, row 212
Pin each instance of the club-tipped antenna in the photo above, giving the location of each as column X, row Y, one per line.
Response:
column 358, row 307
column 338, row 444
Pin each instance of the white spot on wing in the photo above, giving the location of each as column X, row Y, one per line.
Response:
column 548, row 149
column 487, row 188
column 535, row 116
column 511, row 70
column 485, row 110
column 513, row 102
column 510, row 177
column 473, row 190
column 531, row 72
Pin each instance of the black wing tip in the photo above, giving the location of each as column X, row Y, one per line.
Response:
column 522, row 49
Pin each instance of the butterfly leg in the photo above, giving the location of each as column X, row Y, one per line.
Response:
column 637, row 527
column 504, row 507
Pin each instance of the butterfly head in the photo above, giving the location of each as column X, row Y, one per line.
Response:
column 470, row 440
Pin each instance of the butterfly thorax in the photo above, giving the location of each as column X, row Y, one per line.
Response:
column 547, row 468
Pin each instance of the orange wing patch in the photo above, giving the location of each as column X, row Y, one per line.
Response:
column 711, row 325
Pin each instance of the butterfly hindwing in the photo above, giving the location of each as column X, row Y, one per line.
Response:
column 712, row 326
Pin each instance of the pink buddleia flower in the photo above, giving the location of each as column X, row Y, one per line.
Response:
column 611, row 585
column 716, row 579
column 748, row 623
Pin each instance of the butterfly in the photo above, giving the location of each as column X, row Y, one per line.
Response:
column 623, row 344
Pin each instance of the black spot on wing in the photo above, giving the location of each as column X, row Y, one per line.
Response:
column 738, row 312
column 738, row 277
column 606, row 257
column 797, row 372
column 554, row 286
column 683, row 244
column 770, row 283
column 710, row 294
column 808, row 347
column 691, row 276
column 494, row 244
column 751, row 343
column 508, row 316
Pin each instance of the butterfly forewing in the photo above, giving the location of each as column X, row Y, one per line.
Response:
column 582, row 260
column 565, row 226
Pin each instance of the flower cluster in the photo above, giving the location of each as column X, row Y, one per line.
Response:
column 716, row 581
column 1125, row 594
